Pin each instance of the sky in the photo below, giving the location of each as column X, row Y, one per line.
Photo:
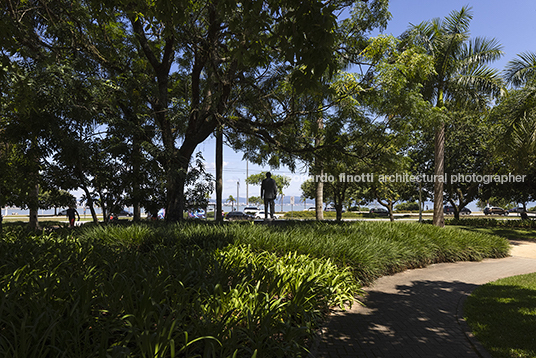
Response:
column 510, row 22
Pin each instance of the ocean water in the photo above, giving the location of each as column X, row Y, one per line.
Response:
column 13, row 211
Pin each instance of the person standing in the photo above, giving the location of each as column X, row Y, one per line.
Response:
column 269, row 193
column 71, row 212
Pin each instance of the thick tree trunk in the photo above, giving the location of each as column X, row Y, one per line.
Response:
column 338, row 209
column 439, row 172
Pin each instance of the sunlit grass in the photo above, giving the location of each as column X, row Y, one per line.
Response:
column 502, row 315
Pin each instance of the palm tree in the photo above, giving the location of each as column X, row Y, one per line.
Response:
column 521, row 70
column 462, row 78
column 303, row 199
column 231, row 200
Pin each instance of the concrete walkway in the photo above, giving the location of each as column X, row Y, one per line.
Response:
column 418, row 313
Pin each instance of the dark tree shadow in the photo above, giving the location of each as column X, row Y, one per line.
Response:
column 421, row 320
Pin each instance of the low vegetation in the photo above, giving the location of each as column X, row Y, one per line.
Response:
column 502, row 316
column 491, row 222
column 201, row 289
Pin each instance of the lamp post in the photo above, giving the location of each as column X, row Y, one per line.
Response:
column 237, row 194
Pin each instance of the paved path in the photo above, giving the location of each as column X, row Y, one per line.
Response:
column 418, row 313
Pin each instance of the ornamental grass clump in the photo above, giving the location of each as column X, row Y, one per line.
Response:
column 125, row 291
column 374, row 249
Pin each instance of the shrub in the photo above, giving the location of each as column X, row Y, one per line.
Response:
column 413, row 206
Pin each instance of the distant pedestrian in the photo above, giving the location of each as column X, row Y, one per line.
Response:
column 269, row 193
column 71, row 212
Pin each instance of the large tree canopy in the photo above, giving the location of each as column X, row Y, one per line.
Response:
column 185, row 67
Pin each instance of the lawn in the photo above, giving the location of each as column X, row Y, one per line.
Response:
column 201, row 289
column 502, row 315
column 526, row 234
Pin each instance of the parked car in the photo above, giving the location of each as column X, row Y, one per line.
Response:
column 312, row 208
column 253, row 210
column 379, row 211
column 330, row 208
column 494, row 210
column 124, row 213
column 516, row 210
column 238, row 215
column 260, row 215
column 449, row 210
column 119, row 214
column 62, row 213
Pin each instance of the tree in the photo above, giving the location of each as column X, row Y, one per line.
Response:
column 461, row 78
column 281, row 181
column 231, row 200
column 464, row 155
column 199, row 185
column 306, row 112
column 514, row 119
column 56, row 199
column 256, row 200
column 199, row 59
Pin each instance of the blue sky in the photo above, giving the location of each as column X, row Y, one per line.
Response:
column 510, row 22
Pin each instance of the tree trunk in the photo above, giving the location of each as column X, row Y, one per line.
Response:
column 391, row 213
column 34, row 208
column 34, row 192
column 136, row 173
column 219, row 174
column 439, row 172
column 319, row 194
column 338, row 209
column 89, row 203
column 319, row 197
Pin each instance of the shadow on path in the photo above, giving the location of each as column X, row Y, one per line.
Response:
column 419, row 320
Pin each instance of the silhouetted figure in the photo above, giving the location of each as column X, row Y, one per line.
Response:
column 269, row 193
column 71, row 212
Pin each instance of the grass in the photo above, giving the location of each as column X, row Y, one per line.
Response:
column 507, row 233
column 502, row 315
column 201, row 289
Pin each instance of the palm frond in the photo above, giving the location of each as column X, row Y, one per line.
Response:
column 458, row 22
column 480, row 50
column 481, row 79
column 521, row 70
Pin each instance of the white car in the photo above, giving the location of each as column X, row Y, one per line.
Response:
column 253, row 210
column 260, row 215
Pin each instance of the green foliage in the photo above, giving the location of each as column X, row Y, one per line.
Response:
column 408, row 206
column 199, row 289
column 155, row 291
column 255, row 200
column 281, row 181
column 56, row 199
